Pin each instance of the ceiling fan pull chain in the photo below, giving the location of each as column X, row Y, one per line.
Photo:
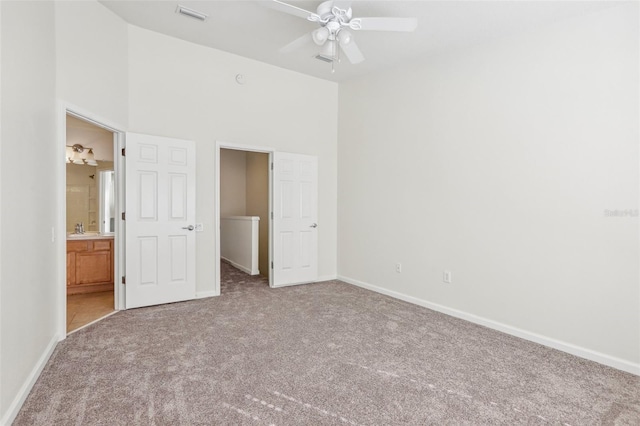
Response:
column 333, row 54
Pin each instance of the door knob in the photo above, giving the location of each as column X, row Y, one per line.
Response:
column 189, row 228
column 315, row 225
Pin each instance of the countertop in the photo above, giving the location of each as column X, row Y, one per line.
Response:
column 93, row 236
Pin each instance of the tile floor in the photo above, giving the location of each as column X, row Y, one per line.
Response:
column 85, row 308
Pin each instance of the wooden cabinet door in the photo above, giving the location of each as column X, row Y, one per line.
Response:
column 93, row 267
column 89, row 266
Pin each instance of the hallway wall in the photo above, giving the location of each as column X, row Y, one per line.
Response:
column 28, row 314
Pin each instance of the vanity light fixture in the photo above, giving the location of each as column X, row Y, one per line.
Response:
column 91, row 159
column 74, row 155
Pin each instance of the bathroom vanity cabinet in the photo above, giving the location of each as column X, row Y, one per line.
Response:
column 89, row 265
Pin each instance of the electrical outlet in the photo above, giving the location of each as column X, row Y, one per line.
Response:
column 446, row 277
column 199, row 227
column 398, row 267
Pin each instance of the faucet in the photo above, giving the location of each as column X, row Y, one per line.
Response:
column 79, row 228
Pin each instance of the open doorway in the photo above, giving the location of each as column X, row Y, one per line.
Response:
column 90, row 222
column 244, row 220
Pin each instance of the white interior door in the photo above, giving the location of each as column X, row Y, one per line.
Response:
column 160, row 219
column 295, row 219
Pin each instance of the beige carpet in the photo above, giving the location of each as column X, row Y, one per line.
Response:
column 320, row 354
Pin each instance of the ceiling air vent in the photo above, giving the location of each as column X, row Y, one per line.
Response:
column 191, row 13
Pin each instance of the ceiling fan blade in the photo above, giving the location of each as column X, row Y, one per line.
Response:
column 297, row 44
column 293, row 10
column 352, row 52
column 384, row 24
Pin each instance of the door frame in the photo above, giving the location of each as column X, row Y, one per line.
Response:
column 60, row 232
column 249, row 148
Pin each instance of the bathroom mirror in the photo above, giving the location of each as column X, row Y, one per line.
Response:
column 107, row 201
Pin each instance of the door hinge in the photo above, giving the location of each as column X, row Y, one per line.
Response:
column 123, row 216
column 271, row 166
column 271, row 215
column 271, row 265
column 124, row 280
column 123, row 150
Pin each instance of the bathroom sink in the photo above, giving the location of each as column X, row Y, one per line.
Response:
column 85, row 235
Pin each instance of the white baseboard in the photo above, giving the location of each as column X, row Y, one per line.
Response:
column 326, row 278
column 318, row 280
column 203, row 294
column 17, row 402
column 239, row 266
column 618, row 363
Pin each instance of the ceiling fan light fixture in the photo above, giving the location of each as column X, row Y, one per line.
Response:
column 335, row 34
column 191, row 13
column 345, row 37
column 320, row 35
column 329, row 49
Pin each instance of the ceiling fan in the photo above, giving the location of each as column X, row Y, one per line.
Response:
column 336, row 21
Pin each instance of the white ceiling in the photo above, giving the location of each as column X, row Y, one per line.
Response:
column 254, row 30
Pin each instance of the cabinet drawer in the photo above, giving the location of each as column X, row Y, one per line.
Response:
column 104, row 245
column 77, row 246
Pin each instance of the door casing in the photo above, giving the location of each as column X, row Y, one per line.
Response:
column 59, row 233
column 239, row 147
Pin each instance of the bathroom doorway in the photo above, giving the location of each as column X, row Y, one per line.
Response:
column 244, row 220
column 90, row 200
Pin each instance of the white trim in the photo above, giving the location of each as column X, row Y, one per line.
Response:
column 327, row 278
column 243, row 218
column 61, row 226
column 205, row 294
column 22, row 394
column 65, row 108
column 618, row 363
column 294, row 284
column 238, row 147
column 238, row 266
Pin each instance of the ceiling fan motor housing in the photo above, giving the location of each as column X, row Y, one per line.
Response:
column 332, row 19
column 328, row 12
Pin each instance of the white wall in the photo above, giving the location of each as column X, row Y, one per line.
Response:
column 179, row 89
column 91, row 51
column 28, row 309
column 497, row 163
column 239, row 241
